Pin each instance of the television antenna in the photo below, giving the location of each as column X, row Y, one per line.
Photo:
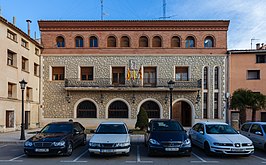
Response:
column 251, row 41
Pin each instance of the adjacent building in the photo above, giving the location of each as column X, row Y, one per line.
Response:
column 248, row 71
column 20, row 59
column 95, row 71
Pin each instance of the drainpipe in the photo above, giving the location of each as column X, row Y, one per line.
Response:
column 227, row 88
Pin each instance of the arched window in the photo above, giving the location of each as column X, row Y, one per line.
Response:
column 175, row 42
column 125, row 42
column 86, row 109
column 118, row 109
column 79, row 42
column 60, row 42
column 208, row 42
column 216, row 78
column 152, row 109
column 93, row 42
column 111, row 41
column 205, row 78
column 156, row 41
column 143, row 41
column 190, row 42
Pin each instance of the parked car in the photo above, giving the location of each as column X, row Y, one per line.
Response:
column 110, row 138
column 59, row 138
column 256, row 132
column 220, row 138
column 168, row 137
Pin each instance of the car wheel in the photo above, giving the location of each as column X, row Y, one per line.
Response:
column 265, row 147
column 69, row 149
column 91, row 154
column 84, row 141
column 127, row 154
column 150, row 152
column 207, row 148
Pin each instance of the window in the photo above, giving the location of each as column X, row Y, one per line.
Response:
column 205, row 78
column 216, row 105
column 86, row 109
column 24, row 43
column 208, row 42
column 28, row 93
column 111, row 41
column 11, row 58
column 143, row 41
column 93, row 42
column 190, row 42
column 216, row 78
column 181, row 73
column 253, row 75
column 36, row 69
column 156, row 41
column 86, row 73
column 125, row 41
column 245, row 127
column 150, row 77
column 10, row 119
column 79, row 42
column 60, row 42
column 25, row 64
column 256, row 128
column 118, row 109
column 37, row 51
column 260, row 58
column 118, row 75
column 12, row 89
column 175, row 42
column 11, row 35
column 58, row 73
column 152, row 109
column 205, row 105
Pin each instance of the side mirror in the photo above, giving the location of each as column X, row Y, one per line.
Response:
column 201, row 132
column 76, row 132
column 130, row 131
column 92, row 131
column 258, row 133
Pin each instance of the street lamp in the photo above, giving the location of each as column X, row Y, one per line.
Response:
column 227, row 97
column 171, row 87
column 22, row 86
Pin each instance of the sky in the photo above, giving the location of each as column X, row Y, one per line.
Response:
column 247, row 17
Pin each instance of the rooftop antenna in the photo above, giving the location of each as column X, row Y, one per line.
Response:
column 164, row 9
column 102, row 10
column 251, row 41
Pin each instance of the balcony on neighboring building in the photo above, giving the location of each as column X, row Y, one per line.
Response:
column 109, row 84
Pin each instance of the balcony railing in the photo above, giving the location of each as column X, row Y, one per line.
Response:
column 144, row 83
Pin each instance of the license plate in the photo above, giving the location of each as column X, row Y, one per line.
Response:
column 238, row 149
column 107, row 150
column 42, row 150
column 171, row 149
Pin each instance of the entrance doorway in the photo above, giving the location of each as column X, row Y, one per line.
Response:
column 182, row 113
column 27, row 119
column 263, row 116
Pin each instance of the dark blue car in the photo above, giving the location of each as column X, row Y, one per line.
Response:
column 58, row 138
column 167, row 136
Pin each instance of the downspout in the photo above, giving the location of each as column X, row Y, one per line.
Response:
column 227, row 88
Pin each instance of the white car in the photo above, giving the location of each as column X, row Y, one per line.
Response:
column 110, row 138
column 221, row 138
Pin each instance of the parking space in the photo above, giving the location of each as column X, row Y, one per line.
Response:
column 10, row 154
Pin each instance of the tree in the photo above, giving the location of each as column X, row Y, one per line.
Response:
column 258, row 102
column 142, row 119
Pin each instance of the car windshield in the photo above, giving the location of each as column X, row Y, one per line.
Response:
column 111, row 129
column 166, row 126
column 264, row 127
column 57, row 128
column 220, row 129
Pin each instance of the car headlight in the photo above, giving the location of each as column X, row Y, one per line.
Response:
column 187, row 143
column 92, row 144
column 249, row 144
column 154, row 142
column 222, row 144
column 121, row 144
column 59, row 144
column 28, row 144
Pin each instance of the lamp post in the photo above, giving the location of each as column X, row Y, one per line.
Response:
column 171, row 87
column 227, row 96
column 23, row 86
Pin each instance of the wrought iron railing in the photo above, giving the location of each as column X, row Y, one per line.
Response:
column 145, row 83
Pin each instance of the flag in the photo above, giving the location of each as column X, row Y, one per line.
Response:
column 128, row 74
column 140, row 73
column 134, row 74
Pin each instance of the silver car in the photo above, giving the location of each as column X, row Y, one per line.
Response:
column 256, row 132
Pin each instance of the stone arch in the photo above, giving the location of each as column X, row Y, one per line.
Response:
column 85, row 99
column 117, row 99
column 154, row 100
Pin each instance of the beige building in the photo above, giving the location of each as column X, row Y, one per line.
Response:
column 96, row 71
column 20, row 59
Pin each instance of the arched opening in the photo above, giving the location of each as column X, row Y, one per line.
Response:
column 152, row 109
column 156, row 41
column 182, row 112
column 60, row 41
column 86, row 109
column 118, row 109
column 111, row 41
column 124, row 42
column 79, row 41
column 143, row 41
column 93, row 42
column 208, row 42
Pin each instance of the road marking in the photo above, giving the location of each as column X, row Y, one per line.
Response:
column 3, row 146
column 138, row 158
column 202, row 160
column 264, row 160
column 14, row 159
column 76, row 160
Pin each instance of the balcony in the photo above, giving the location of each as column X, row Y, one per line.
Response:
column 102, row 84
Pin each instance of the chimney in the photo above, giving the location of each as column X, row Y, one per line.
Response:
column 257, row 46
column 28, row 21
column 14, row 21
